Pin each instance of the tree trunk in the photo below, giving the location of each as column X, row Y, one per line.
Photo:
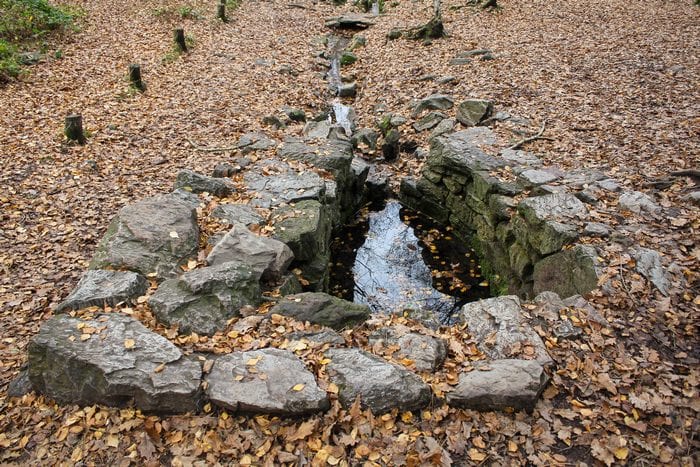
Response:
column 74, row 128
column 135, row 77
column 180, row 40
column 221, row 11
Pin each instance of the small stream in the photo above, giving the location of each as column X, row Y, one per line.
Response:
column 393, row 259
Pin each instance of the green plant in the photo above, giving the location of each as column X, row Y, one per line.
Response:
column 9, row 64
column 188, row 12
column 233, row 4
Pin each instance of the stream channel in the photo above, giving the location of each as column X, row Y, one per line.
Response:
column 392, row 259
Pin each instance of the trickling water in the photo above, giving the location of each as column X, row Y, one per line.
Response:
column 334, row 74
column 375, row 8
column 401, row 264
column 343, row 117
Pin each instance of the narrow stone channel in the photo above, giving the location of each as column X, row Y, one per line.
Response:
column 394, row 259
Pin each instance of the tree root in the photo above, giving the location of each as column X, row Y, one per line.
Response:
column 530, row 139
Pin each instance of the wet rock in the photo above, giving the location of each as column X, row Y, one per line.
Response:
column 429, row 121
column 638, row 203
column 497, row 325
column 473, row 111
column 20, row 386
column 649, row 265
column 154, row 235
column 255, row 141
column 112, row 360
column 426, row 352
column 433, row 102
column 270, row 381
column 377, row 184
column 380, row 385
column 198, row 183
column 267, row 257
column 500, row 384
column 326, row 336
column 569, row 272
column 98, row 287
column 203, row 300
column 237, row 214
column 321, row 308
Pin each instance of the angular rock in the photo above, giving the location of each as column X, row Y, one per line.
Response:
column 433, row 102
column 459, row 152
column 520, row 160
column 596, row 229
column 282, row 185
column 198, row 183
column 534, row 177
column 649, row 265
column 321, row 308
column 267, row 257
column 350, row 21
column 365, row 137
column 638, row 203
column 569, row 272
column 203, row 300
column 270, row 381
column 237, row 214
column 381, row 385
column 500, row 331
column 255, row 141
column 326, row 336
column 500, row 384
column 317, row 130
column 154, row 235
column 224, row 170
column 445, row 126
column 693, row 198
column 332, row 155
column 609, row 185
column 427, row 352
column 347, row 89
column 294, row 114
column 429, row 121
column 20, row 386
column 550, row 220
column 304, row 227
column 473, row 111
column 112, row 360
column 98, row 287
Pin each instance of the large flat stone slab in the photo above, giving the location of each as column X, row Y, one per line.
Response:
column 265, row 381
column 98, row 287
column 381, row 386
column 203, row 300
column 152, row 236
column 321, row 308
column 197, row 183
column 500, row 384
column 459, row 152
column 113, row 360
column 272, row 183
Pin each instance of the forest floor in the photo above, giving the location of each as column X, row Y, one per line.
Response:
column 618, row 83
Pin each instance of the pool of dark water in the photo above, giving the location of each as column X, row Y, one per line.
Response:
column 391, row 258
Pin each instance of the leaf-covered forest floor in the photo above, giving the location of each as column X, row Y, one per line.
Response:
column 618, row 82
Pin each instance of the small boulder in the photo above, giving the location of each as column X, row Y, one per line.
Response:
column 267, row 257
column 649, row 265
column 473, row 111
column 198, row 183
column 570, row 272
column 429, row 121
column 98, row 287
column 113, row 360
column 270, row 381
column 237, row 214
column 426, row 352
column 325, row 336
column 500, row 384
column 321, row 308
column 381, row 386
column 203, row 300
column 433, row 102
column 638, row 203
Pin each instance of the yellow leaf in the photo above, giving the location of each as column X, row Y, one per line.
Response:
column 621, row 453
column 174, row 234
column 333, row 460
column 191, row 264
column 362, row 450
column 129, row 343
column 325, row 361
column 512, row 447
column 84, row 337
column 298, row 387
column 159, row 368
column 484, row 284
column 476, row 455
column 238, row 377
column 253, row 361
column 77, row 454
column 333, row 388
column 406, row 417
column 246, row 460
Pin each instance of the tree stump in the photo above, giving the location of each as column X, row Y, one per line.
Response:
column 73, row 128
column 433, row 29
column 135, row 77
column 180, row 40
column 489, row 5
column 221, row 11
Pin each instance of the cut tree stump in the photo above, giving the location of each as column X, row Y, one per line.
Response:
column 135, row 77
column 180, row 40
column 74, row 128
column 221, row 11
column 433, row 29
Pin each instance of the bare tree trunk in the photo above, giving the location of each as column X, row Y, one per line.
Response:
column 135, row 77
column 180, row 40
column 221, row 11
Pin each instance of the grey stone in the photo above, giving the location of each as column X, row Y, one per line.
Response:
column 446, row 79
column 273, row 121
column 693, row 198
column 321, row 308
column 282, row 185
column 224, row 170
column 326, row 336
column 154, row 235
column 609, row 185
column 317, row 130
column 203, row 300
column 237, row 214
column 552, row 207
column 304, row 227
column 255, row 141
column 500, row 384
column 473, row 111
column 445, row 126
column 460, row 61
column 565, row 329
column 533, row 177
column 569, row 272
column 596, row 229
column 365, row 137
column 269, row 381
column 347, row 89
column 269, row 258
column 428, row 353
column 474, row 52
column 112, row 360
column 433, row 102
column 350, row 21
column 99, row 288
column 429, row 121
column 520, row 160
column 381, row 386
column 500, row 330
column 20, row 385
column 638, row 203
column 649, row 265
column 458, row 152
column 294, row 114
column 582, row 178
column 198, row 183
column 332, row 155
column 397, row 120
